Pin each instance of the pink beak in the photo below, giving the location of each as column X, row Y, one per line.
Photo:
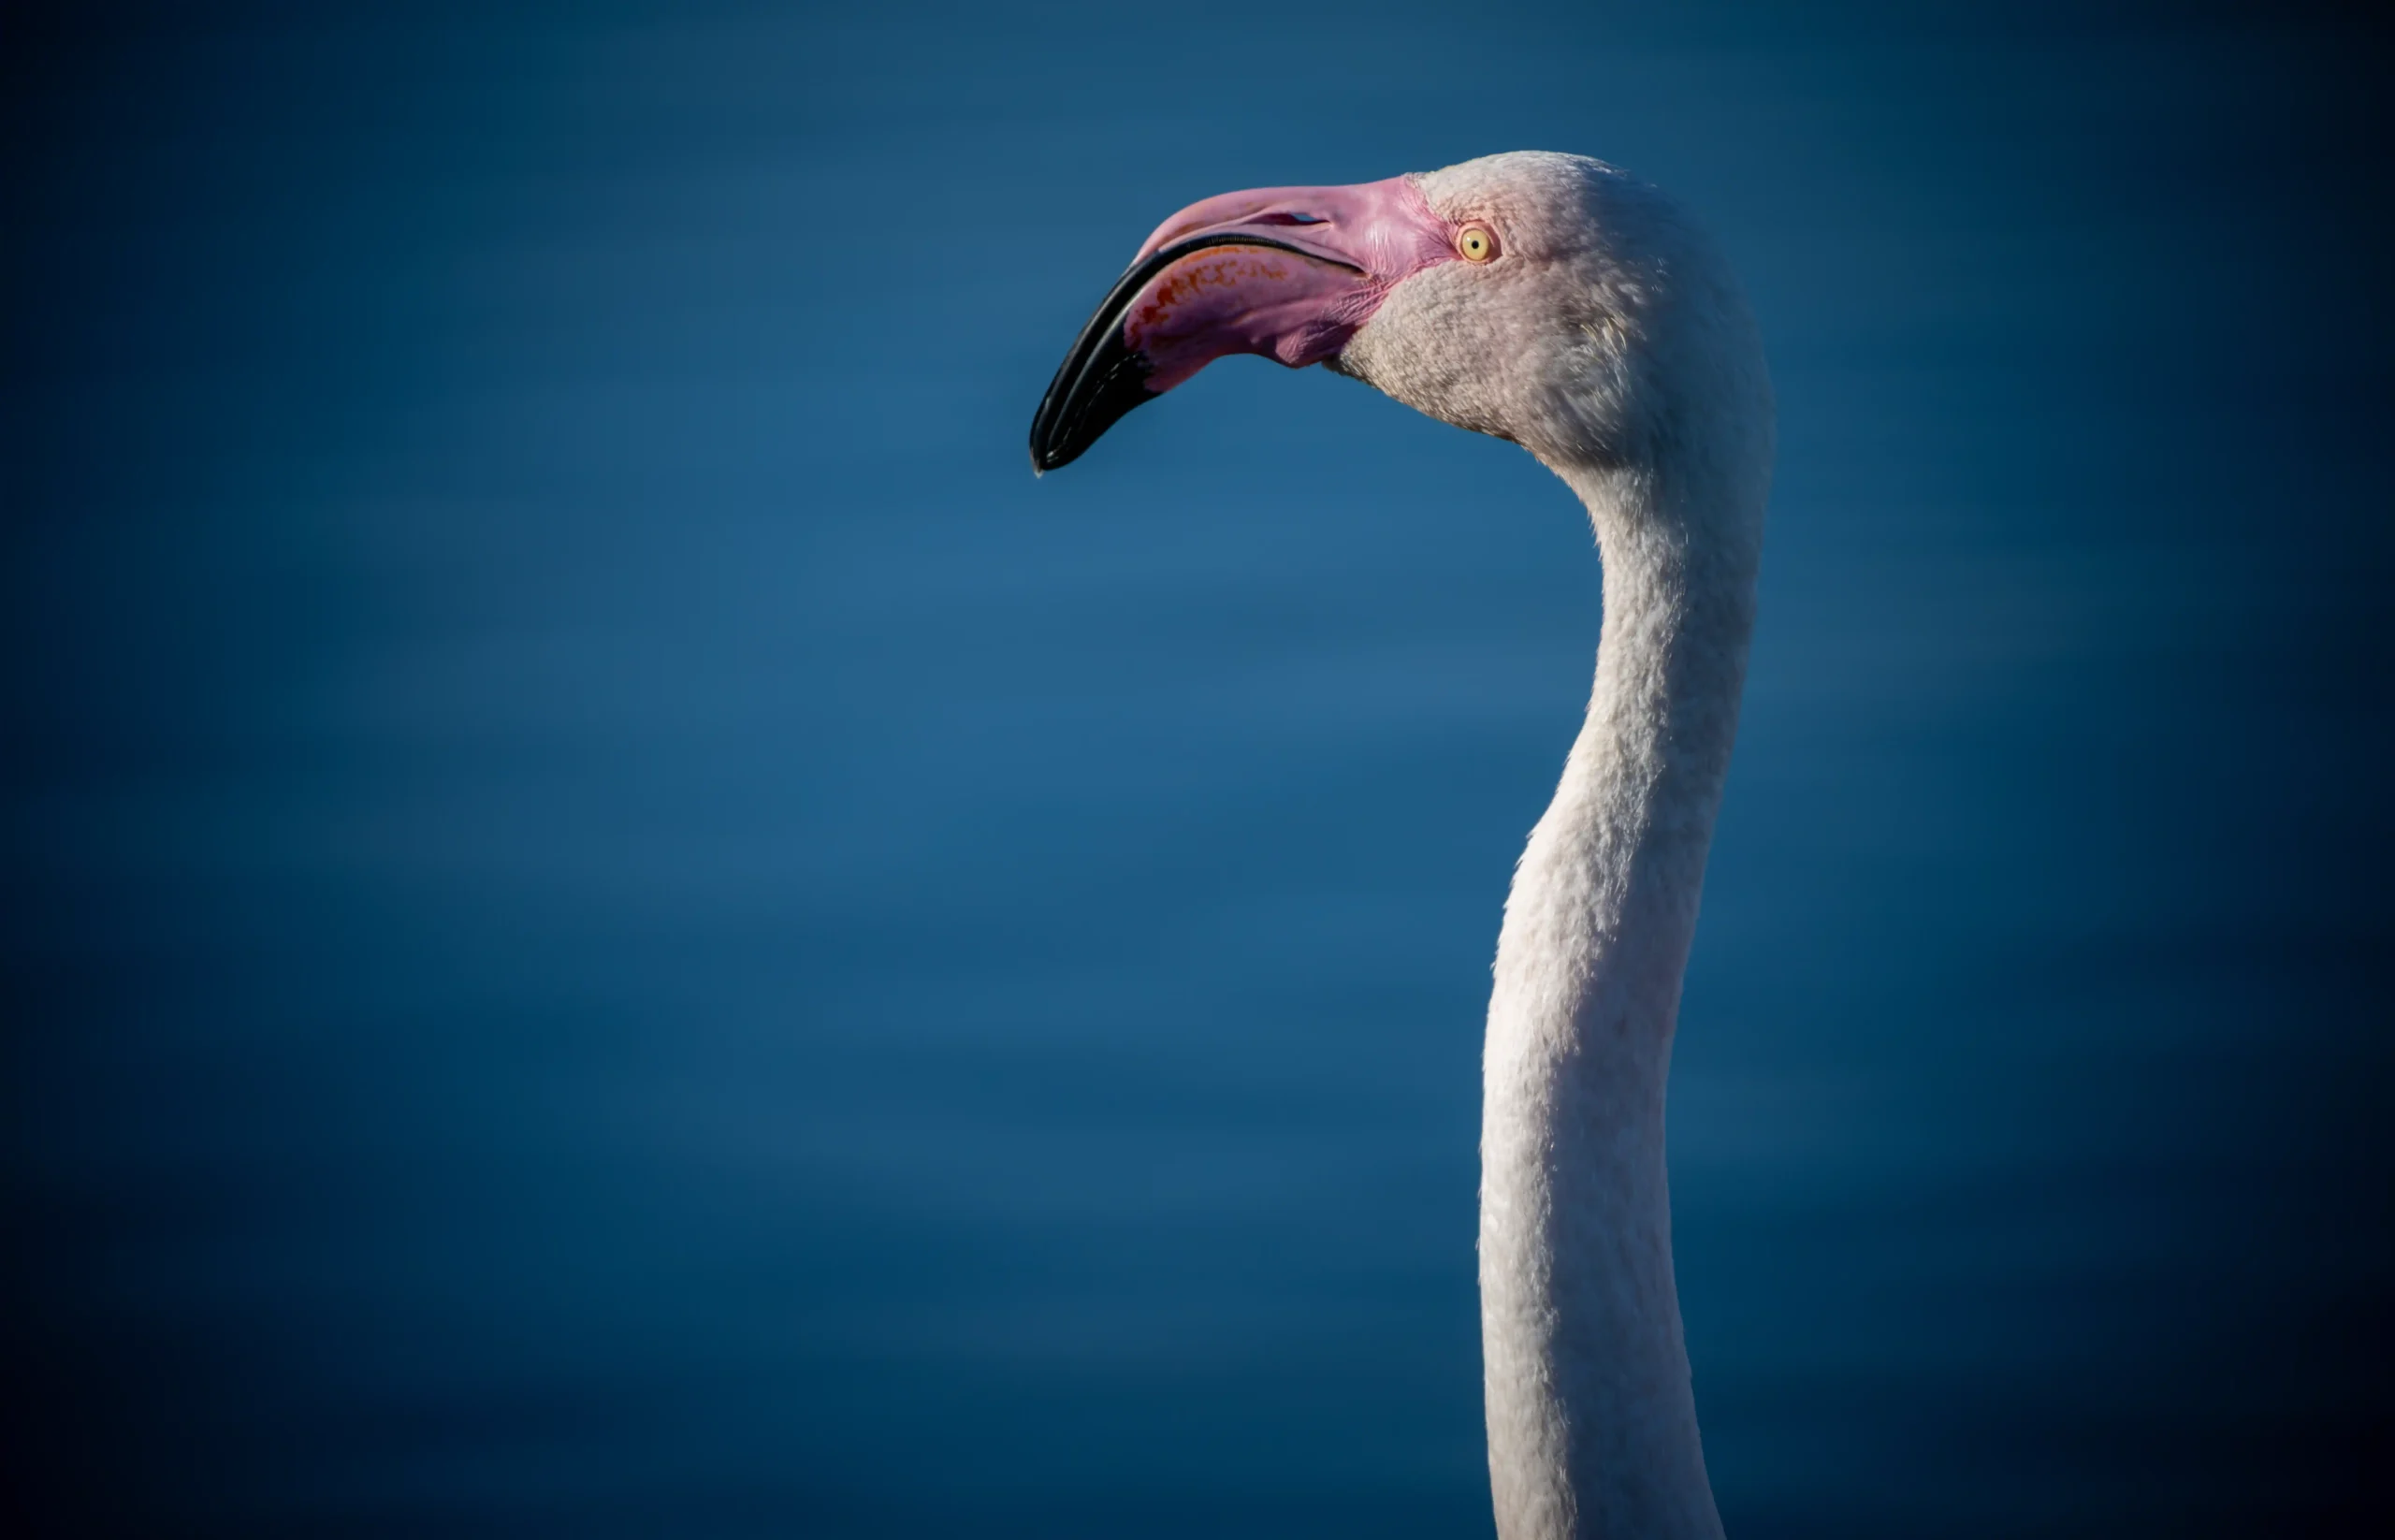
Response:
column 1288, row 273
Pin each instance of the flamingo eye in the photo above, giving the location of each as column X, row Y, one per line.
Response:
column 1477, row 243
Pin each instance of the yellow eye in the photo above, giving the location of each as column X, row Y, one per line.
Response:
column 1477, row 244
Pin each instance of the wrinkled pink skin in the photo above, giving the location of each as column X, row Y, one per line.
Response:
column 1230, row 300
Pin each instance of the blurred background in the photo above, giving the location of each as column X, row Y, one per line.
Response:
column 618, row 925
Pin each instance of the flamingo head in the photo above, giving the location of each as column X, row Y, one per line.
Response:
column 1543, row 298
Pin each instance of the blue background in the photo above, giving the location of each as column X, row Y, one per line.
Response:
column 618, row 926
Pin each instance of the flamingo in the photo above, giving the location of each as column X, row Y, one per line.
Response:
column 1566, row 306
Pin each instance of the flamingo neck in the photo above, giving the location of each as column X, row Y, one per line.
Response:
column 1592, row 1417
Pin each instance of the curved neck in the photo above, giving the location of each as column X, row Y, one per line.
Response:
column 1592, row 1419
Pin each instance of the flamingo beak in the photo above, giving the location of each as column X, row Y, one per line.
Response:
column 1287, row 272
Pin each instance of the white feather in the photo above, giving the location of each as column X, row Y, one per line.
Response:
column 1609, row 340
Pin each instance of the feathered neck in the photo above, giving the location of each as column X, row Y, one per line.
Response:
column 1591, row 1417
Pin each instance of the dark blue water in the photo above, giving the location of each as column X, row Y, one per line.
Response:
column 618, row 926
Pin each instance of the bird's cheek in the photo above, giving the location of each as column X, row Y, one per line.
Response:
column 1403, row 352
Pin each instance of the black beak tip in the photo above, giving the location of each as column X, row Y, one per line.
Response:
column 1104, row 378
column 1084, row 402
